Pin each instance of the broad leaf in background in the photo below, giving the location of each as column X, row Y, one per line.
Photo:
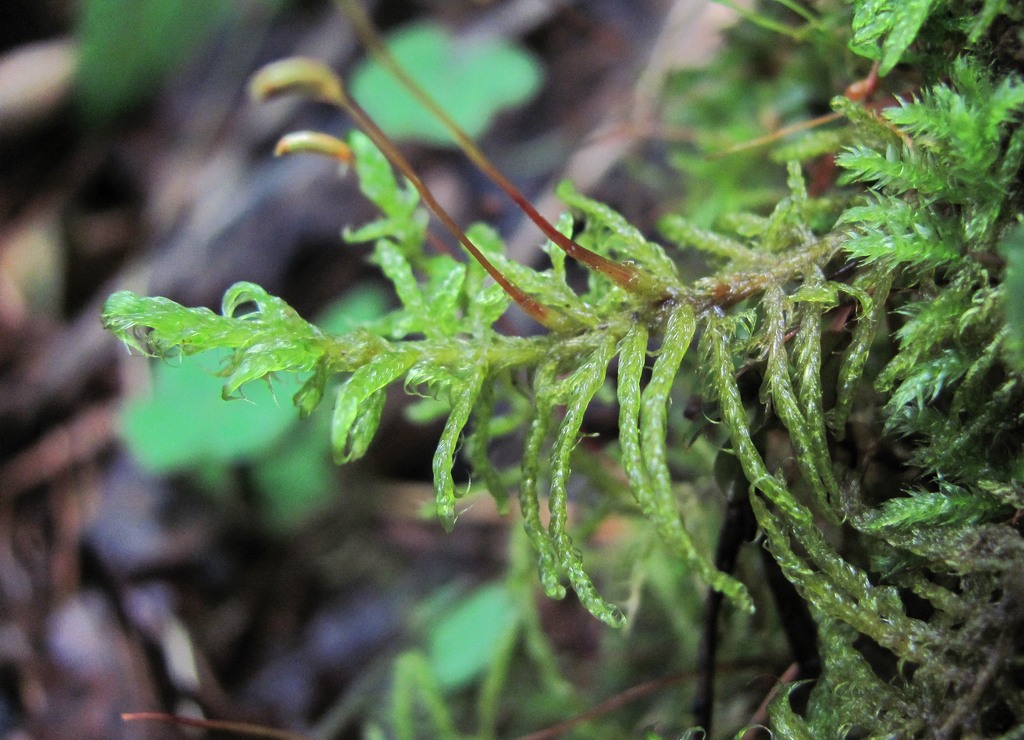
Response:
column 472, row 81
column 185, row 425
column 128, row 47
column 463, row 642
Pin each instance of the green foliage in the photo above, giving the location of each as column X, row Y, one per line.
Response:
column 472, row 82
column 883, row 30
column 184, row 426
column 1012, row 250
column 858, row 353
column 128, row 45
column 461, row 352
column 951, row 505
column 987, row 15
column 466, row 640
column 945, row 195
column 214, row 434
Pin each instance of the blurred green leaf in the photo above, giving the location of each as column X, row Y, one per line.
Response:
column 298, row 476
column 361, row 305
column 463, row 641
column 128, row 46
column 1012, row 250
column 472, row 81
column 185, row 423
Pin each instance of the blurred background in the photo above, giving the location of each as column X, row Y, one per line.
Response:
column 164, row 550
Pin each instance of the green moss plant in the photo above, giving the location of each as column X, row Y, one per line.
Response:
column 882, row 455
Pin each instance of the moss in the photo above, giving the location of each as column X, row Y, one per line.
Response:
column 800, row 297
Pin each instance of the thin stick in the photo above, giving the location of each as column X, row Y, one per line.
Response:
column 775, row 135
column 859, row 92
column 630, row 695
column 237, row 728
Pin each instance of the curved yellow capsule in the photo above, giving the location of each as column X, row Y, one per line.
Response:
column 314, row 142
column 297, row 75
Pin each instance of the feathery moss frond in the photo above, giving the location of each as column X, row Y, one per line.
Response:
column 879, row 321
